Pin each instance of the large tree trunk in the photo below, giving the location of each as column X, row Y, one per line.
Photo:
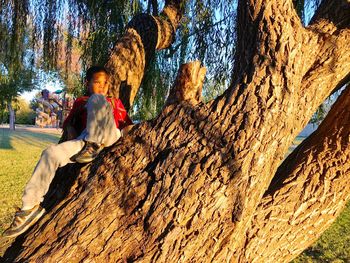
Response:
column 203, row 182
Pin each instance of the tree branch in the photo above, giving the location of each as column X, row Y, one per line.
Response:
column 134, row 50
column 310, row 189
column 330, row 65
column 256, row 16
column 331, row 48
column 331, row 15
column 188, row 84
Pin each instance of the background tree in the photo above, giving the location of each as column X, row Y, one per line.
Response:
column 24, row 114
column 204, row 181
column 16, row 71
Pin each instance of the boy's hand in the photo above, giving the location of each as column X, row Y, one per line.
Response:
column 126, row 130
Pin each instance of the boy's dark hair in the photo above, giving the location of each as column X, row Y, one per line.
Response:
column 94, row 69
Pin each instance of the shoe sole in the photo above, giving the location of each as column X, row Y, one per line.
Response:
column 84, row 159
column 33, row 219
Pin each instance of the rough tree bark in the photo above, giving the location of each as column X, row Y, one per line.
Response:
column 188, row 84
column 307, row 192
column 129, row 57
column 11, row 116
column 203, row 182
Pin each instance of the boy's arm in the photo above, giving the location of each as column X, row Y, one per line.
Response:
column 124, row 119
column 125, row 123
column 127, row 120
column 126, row 130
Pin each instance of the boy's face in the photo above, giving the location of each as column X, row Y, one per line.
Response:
column 98, row 84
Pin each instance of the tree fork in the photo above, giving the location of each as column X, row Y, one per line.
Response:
column 272, row 76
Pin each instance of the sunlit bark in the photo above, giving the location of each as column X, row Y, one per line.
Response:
column 191, row 185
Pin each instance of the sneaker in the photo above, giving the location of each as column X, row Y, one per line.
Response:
column 88, row 153
column 23, row 220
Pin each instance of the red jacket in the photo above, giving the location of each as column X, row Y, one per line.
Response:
column 78, row 115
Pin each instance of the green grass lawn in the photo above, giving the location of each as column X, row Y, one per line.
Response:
column 20, row 150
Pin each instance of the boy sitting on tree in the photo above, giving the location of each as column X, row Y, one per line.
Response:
column 97, row 120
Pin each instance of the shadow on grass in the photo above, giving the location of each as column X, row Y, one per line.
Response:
column 36, row 139
column 5, row 142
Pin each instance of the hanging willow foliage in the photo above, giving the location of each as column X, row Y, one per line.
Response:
column 16, row 72
column 68, row 36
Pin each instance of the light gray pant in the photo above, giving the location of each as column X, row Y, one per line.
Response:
column 100, row 128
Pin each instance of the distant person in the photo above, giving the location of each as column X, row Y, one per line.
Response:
column 56, row 108
column 94, row 122
column 44, row 110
